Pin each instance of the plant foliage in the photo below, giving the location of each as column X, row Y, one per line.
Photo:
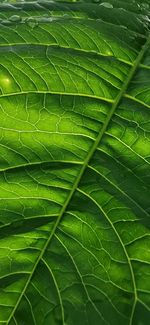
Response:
column 75, row 162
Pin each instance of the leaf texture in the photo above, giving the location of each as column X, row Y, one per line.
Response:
column 74, row 163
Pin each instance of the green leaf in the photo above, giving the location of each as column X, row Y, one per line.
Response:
column 75, row 163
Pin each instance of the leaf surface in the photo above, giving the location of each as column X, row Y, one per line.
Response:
column 75, row 163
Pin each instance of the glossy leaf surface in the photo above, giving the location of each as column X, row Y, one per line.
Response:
column 74, row 163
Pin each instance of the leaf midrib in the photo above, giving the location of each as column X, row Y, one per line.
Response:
column 82, row 170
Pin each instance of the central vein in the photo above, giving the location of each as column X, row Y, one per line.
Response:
column 83, row 168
